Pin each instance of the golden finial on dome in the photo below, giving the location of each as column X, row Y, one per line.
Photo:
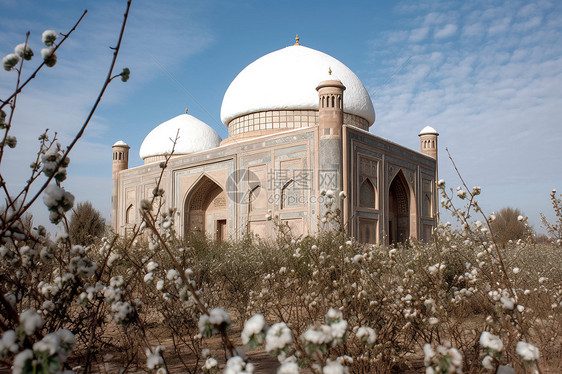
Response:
column 297, row 40
column 185, row 110
column 329, row 71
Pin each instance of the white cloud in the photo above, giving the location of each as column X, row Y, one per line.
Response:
column 446, row 32
column 499, row 26
column 419, row 34
column 493, row 96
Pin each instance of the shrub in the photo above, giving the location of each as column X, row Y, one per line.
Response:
column 86, row 224
column 508, row 225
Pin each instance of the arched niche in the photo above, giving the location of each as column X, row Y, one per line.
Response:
column 205, row 210
column 367, row 195
column 130, row 214
column 402, row 217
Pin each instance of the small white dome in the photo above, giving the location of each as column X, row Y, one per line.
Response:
column 287, row 79
column 428, row 130
column 120, row 142
column 194, row 136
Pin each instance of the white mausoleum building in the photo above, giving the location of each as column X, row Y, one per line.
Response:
column 298, row 126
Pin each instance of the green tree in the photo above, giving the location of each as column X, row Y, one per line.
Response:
column 86, row 224
column 508, row 225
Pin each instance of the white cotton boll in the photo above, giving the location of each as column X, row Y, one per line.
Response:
column 507, row 303
column 67, row 338
column 172, row 274
column 234, row 365
column 318, row 335
column 188, row 273
column 338, row 329
column 121, row 311
column 112, row 294
column 342, row 195
column 9, row 341
column 20, row 361
column 288, row 368
column 461, row 193
column 49, row 57
column 367, row 335
column 334, row 367
column 153, row 360
column 428, row 352
column 527, row 352
column 278, row 337
column 48, row 37
column 24, row 51
column 30, row 321
column 48, row 306
column 160, row 285
column 112, row 258
column 210, row 363
column 219, row 316
column 433, row 269
column 488, row 363
column 516, row 270
column 333, row 315
column 488, row 340
column 456, row 357
column 151, row 266
column 10, row 61
column 254, row 325
column 148, row 277
column 116, row 281
column 49, row 344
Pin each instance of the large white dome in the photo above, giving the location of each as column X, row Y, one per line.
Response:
column 287, row 79
column 194, row 136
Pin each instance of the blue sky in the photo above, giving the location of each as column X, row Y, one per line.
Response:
column 486, row 74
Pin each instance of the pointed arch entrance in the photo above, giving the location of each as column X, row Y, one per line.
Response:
column 205, row 210
column 401, row 210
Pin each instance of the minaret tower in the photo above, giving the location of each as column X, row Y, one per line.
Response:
column 330, row 126
column 428, row 141
column 120, row 163
column 428, row 144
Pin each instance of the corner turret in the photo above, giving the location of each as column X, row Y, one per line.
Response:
column 428, row 141
column 120, row 163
